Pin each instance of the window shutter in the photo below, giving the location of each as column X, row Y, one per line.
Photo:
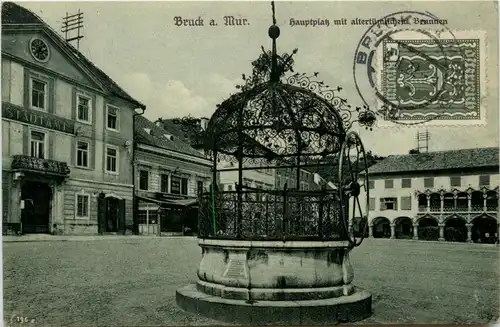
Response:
column 51, row 96
column 92, row 153
column 26, row 88
column 395, row 203
column 121, row 216
column 26, row 140
column 73, row 151
column 382, row 204
column 371, row 204
column 101, row 213
column 51, row 145
column 73, row 104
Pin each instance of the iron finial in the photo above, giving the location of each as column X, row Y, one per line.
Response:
column 274, row 33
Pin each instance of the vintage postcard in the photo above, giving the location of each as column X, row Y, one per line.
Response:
column 180, row 163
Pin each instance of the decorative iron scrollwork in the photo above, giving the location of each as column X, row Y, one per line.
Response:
column 21, row 162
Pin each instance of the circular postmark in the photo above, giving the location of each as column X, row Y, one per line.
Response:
column 401, row 68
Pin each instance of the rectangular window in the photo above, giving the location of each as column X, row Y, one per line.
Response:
column 406, row 203
column 148, row 214
column 112, row 118
column 82, row 205
column 455, row 181
column 406, row 183
column 199, row 187
column 371, row 185
column 429, row 182
column 38, row 94
column 371, row 204
column 184, row 186
column 484, row 180
column 111, row 159
column 164, row 183
column 82, row 154
column 37, row 143
column 83, row 109
column 389, row 183
column 175, row 185
column 389, row 204
column 143, row 180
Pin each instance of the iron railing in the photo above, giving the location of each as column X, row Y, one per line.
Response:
column 271, row 215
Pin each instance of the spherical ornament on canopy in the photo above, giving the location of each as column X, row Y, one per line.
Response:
column 274, row 32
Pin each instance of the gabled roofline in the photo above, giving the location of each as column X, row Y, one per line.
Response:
column 76, row 56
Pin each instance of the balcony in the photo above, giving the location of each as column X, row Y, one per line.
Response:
column 29, row 164
column 462, row 209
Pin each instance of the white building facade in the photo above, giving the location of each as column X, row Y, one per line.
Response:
column 450, row 195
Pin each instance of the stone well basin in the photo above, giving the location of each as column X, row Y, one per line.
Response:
column 275, row 270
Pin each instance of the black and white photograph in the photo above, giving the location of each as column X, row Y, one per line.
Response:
column 218, row 163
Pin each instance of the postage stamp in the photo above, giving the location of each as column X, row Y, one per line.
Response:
column 414, row 75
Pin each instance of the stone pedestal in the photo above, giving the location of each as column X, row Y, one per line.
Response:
column 261, row 282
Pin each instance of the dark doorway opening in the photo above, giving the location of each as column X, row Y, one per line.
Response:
column 455, row 230
column 485, row 230
column 112, row 207
column 110, row 214
column 404, row 228
column 172, row 220
column 428, row 229
column 35, row 217
column 381, row 228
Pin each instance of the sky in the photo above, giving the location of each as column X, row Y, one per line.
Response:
column 176, row 71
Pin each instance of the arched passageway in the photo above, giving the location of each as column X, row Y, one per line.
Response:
column 462, row 202
column 477, row 201
column 422, row 202
column 435, row 202
column 491, row 201
column 403, row 228
column 455, row 230
column 428, row 229
column 359, row 228
column 485, row 230
column 381, row 228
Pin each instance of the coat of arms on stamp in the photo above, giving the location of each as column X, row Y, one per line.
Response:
column 437, row 79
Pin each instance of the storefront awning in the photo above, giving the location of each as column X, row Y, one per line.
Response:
column 171, row 203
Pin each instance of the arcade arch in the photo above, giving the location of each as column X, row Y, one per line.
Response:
column 403, row 227
column 455, row 229
column 381, row 227
column 484, row 229
column 428, row 229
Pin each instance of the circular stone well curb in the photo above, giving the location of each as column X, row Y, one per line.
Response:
column 351, row 308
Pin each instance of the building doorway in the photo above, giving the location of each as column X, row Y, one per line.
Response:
column 35, row 217
column 112, row 215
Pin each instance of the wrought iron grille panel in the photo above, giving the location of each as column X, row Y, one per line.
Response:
column 271, row 215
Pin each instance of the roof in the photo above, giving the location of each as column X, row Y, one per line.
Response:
column 442, row 160
column 174, row 127
column 15, row 14
column 156, row 137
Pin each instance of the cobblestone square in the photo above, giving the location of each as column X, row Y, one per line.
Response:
column 132, row 281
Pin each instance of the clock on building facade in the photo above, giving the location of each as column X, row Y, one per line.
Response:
column 39, row 49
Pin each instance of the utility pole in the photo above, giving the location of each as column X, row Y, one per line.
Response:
column 71, row 23
column 423, row 141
